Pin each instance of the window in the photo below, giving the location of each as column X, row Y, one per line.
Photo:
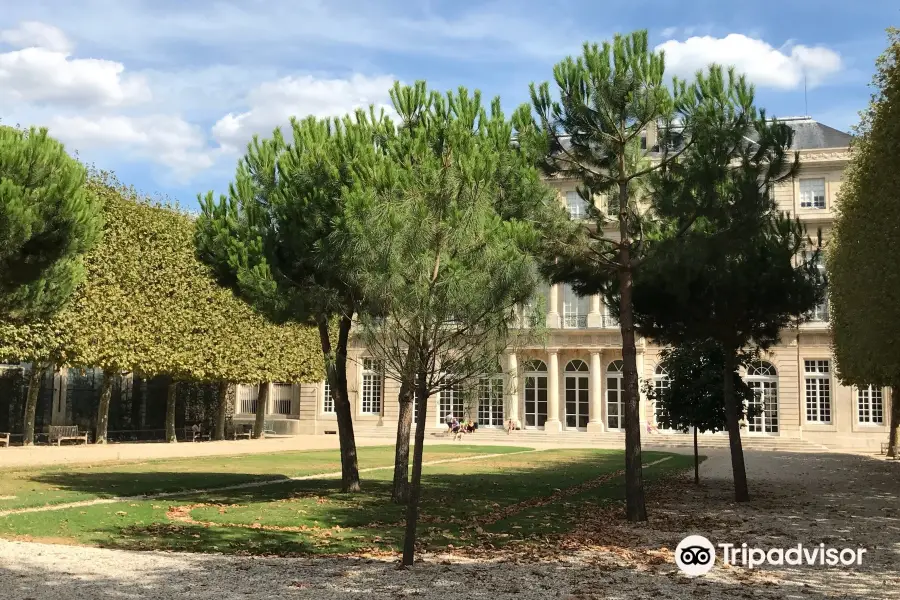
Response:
column 812, row 193
column 451, row 404
column 371, row 387
column 327, row 400
column 247, row 395
column 609, row 319
column 870, row 405
column 762, row 377
column 490, row 401
column 661, row 383
column 575, row 309
column 818, row 391
column 282, row 395
column 534, row 311
column 576, row 205
column 820, row 312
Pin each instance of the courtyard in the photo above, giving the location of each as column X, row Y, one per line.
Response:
column 498, row 521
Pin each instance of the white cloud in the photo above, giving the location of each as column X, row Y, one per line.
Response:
column 273, row 103
column 33, row 34
column 763, row 64
column 43, row 71
column 668, row 32
column 164, row 139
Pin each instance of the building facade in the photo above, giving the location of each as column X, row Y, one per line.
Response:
column 572, row 382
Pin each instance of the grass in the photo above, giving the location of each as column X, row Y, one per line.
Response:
column 517, row 495
column 57, row 485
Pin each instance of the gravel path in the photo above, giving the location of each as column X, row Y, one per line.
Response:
column 840, row 499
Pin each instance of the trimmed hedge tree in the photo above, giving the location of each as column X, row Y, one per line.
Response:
column 863, row 271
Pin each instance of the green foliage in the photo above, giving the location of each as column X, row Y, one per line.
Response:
column 272, row 236
column 149, row 305
column 47, row 221
column 450, row 243
column 728, row 270
column 693, row 396
column 863, row 271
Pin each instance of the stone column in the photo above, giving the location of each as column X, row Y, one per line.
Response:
column 512, row 391
column 595, row 316
column 595, row 422
column 553, row 424
column 553, row 309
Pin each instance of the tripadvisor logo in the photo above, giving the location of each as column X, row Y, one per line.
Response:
column 695, row 555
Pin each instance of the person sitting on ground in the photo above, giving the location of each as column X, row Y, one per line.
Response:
column 471, row 426
column 457, row 429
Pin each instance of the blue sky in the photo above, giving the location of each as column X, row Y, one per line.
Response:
column 166, row 93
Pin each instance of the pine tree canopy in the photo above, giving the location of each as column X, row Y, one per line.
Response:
column 863, row 262
column 48, row 219
column 451, row 242
column 728, row 270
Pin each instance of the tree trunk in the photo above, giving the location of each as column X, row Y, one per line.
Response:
column 696, row 460
column 635, row 508
column 400, row 491
column 34, row 387
column 221, row 411
column 171, row 395
column 415, row 487
column 103, row 409
column 336, row 367
column 895, row 422
column 741, row 492
column 262, row 402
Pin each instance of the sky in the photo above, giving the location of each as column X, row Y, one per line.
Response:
column 167, row 93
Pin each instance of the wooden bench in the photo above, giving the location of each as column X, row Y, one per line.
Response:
column 195, row 436
column 243, row 431
column 61, row 433
column 4, row 439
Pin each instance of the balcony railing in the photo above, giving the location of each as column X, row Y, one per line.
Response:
column 575, row 321
column 610, row 322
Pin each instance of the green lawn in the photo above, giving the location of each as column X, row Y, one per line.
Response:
column 515, row 496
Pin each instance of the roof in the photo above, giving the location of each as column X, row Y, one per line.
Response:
column 809, row 134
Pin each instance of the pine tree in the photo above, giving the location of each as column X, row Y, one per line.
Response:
column 733, row 276
column 863, row 271
column 273, row 238
column 451, row 248
column 47, row 221
column 610, row 99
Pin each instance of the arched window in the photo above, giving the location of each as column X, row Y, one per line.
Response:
column 762, row 377
column 660, row 383
column 576, row 366
column 614, row 404
column 535, row 393
column 577, row 394
column 535, row 366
